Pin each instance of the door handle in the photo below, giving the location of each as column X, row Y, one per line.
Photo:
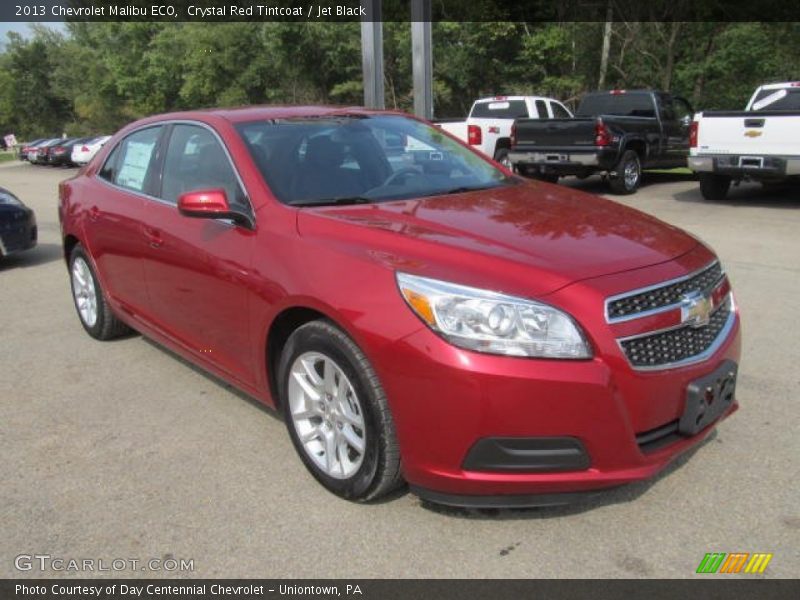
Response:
column 94, row 213
column 153, row 237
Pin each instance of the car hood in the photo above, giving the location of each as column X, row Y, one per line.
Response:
column 567, row 235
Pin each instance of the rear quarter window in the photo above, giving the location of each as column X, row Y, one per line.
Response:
column 500, row 109
column 622, row 105
column 786, row 99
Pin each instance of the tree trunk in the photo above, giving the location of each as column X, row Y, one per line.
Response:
column 606, row 47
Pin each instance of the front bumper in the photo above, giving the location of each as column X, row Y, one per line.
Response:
column 18, row 233
column 446, row 400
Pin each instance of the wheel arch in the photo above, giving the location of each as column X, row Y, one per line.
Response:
column 69, row 243
column 637, row 145
column 501, row 144
column 282, row 326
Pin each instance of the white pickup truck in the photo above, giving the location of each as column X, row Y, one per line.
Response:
column 488, row 126
column 762, row 143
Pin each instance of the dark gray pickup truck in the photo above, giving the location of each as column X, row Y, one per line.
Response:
column 616, row 133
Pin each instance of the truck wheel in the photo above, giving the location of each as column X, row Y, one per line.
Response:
column 629, row 174
column 501, row 156
column 713, row 186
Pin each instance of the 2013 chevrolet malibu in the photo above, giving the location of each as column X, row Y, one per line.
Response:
column 415, row 311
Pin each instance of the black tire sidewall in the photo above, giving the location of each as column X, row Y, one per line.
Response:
column 713, row 186
column 315, row 339
column 500, row 155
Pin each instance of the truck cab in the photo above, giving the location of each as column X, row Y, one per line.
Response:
column 488, row 126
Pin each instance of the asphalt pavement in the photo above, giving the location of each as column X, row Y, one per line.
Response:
column 120, row 450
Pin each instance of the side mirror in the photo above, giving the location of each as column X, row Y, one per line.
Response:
column 210, row 204
column 686, row 121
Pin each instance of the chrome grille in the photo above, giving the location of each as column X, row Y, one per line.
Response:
column 676, row 345
column 663, row 295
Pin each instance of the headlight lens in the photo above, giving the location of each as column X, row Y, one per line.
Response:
column 6, row 198
column 494, row 323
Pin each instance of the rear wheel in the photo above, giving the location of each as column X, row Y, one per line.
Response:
column 90, row 302
column 501, row 156
column 548, row 177
column 337, row 414
column 713, row 186
column 628, row 174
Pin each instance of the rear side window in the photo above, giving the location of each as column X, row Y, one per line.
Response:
column 559, row 112
column 196, row 160
column 110, row 166
column 131, row 168
column 623, row 105
column 500, row 109
column 541, row 109
column 777, row 100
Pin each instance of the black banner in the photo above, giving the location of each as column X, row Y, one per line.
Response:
column 715, row 587
column 394, row 10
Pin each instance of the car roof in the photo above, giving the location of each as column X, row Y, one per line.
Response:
column 265, row 113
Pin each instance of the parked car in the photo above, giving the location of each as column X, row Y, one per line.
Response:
column 18, row 229
column 61, row 153
column 616, row 133
column 488, row 126
column 40, row 155
column 25, row 148
column 761, row 143
column 491, row 340
column 32, row 151
column 84, row 152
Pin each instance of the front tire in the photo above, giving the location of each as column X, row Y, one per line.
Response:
column 628, row 174
column 90, row 301
column 337, row 413
column 713, row 186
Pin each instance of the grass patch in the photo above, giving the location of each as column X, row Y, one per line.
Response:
column 6, row 156
column 678, row 171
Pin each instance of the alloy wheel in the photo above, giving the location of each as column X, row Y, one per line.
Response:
column 84, row 292
column 327, row 415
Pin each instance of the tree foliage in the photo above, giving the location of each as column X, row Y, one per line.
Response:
column 98, row 76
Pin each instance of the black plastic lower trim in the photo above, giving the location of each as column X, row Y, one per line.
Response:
column 527, row 455
column 503, row 501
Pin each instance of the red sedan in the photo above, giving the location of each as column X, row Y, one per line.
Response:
column 415, row 311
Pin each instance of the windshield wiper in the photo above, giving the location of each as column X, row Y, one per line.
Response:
column 342, row 200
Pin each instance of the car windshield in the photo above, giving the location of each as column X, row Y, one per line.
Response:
column 356, row 158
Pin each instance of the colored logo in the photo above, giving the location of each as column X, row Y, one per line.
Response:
column 735, row 562
column 751, row 133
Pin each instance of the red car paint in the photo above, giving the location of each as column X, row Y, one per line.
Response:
column 211, row 292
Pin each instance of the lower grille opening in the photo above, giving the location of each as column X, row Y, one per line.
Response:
column 650, row 441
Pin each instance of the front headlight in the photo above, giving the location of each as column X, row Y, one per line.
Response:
column 494, row 323
column 6, row 198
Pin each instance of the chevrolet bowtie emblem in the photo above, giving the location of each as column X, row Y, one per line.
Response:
column 751, row 133
column 696, row 309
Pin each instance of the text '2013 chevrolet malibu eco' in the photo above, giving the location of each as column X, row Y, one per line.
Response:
column 416, row 312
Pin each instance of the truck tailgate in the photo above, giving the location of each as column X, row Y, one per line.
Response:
column 456, row 128
column 742, row 133
column 554, row 133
